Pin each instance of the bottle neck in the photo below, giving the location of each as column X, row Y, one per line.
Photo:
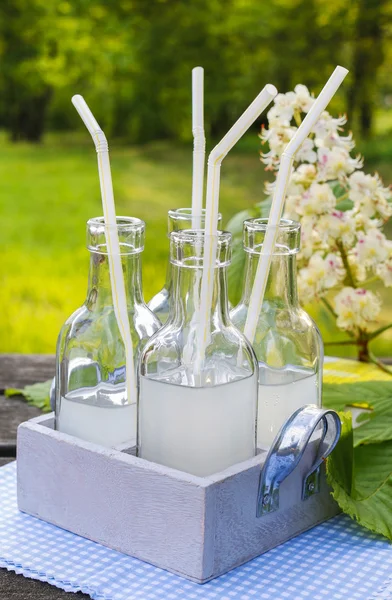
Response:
column 169, row 278
column 99, row 292
column 281, row 289
column 187, row 287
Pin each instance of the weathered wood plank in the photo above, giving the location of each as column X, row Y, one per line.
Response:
column 13, row 411
column 17, row 587
column 18, row 370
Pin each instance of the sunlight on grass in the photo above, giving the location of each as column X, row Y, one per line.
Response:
column 48, row 192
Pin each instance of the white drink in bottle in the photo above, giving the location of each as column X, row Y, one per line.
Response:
column 85, row 414
column 91, row 395
column 281, row 393
column 197, row 422
column 198, row 430
column 287, row 342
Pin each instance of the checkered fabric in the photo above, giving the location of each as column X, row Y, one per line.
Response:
column 336, row 560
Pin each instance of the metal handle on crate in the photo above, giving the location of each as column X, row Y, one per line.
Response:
column 288, row 449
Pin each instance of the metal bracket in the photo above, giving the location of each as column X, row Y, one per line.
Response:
column 288, row 449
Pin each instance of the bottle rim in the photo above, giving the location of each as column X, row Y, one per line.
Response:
column 196, row 238
column 194, row 235
column 185, row 214
column 260, row 224
column 287, row 234
column 130, row 231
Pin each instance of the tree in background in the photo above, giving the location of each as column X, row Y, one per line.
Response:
column 368, row 55
column 132, row 59
column 47, row 47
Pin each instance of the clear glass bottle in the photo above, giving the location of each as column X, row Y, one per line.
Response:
column 177, row 220
column 198, row 423
column 287, row 343
column 90, row 390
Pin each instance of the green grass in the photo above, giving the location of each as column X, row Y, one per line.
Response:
column 48, row 192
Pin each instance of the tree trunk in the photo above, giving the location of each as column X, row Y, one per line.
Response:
column 367, row 58
column 28, row 117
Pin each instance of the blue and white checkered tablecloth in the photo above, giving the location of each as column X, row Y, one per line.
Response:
column 336, row 560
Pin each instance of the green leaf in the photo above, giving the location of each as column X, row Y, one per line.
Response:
column 264, row 207
column 370, row 502
column 340, row 462
column 377, row 426
column 235, row 225
column 338, row 189
column 361, row 480
column 345, row 205
column 37, row 394
column 236, row 271
column 374, row 427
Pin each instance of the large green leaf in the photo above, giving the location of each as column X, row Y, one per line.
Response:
column 235, row 225
column 236, row 271
column 376, row 426
column 340, row 462
column 264, row 207
column 37, row 394
column 370, row 501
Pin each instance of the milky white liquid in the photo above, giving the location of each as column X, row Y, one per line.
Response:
column 281, row 393
column 97, row 415
column 197, row 430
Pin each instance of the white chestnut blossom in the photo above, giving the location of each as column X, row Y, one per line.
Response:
column 336, row 163
column 336, row 226
column 317, row 200
column 357, row 267
column 320, row 275
column 303, row 100
column 304, row 175
column 384, row 271
column 309, row 237
column 292, row 206
column 285, row 105
column 356, row 308
column 326, row 132
column 369, row 196
column 327, row 125
column 372, row 247
column 277, row 138
column 306, row 153
column 341, row 209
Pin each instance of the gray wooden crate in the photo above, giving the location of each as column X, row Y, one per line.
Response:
column 196, row 527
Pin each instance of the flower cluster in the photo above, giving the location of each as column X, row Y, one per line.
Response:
column 356, row 308
column 341, row 209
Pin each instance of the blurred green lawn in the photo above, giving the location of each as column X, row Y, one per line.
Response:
column 48, row 192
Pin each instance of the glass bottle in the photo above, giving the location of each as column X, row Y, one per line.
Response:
column 200, row 423
column 177, row 219
column 90, row 390
column 287, row 343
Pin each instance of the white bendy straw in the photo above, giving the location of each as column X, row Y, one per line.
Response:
column 286, row 163
column 215, row 159
column 199, row 144
column 112, row 240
